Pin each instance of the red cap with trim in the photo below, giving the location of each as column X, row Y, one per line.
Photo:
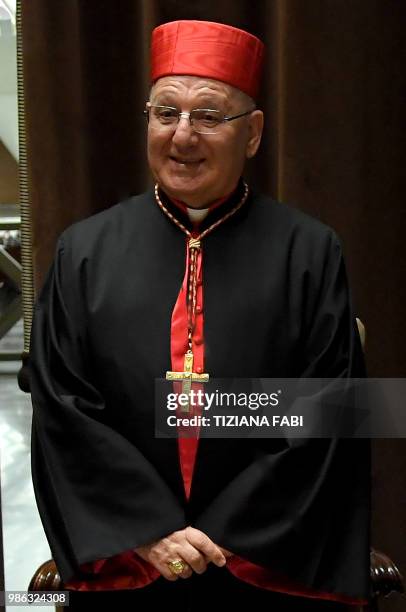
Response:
column 207, row 49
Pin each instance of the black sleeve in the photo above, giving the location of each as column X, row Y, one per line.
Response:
column 304, row 510
column 96, row 493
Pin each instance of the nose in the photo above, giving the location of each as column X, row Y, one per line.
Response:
column 184, row 134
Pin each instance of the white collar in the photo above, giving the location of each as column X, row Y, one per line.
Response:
column 196, row 215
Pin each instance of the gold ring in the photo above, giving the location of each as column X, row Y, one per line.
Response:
column 177, row 567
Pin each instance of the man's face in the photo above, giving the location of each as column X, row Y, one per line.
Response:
column 200, row 168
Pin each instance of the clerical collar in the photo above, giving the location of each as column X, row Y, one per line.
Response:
column 196, row 215
column 202, row 218
column 212, row 206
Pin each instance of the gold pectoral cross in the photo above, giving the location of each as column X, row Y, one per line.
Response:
column 187, row 377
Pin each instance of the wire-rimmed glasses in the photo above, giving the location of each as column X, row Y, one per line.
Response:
column 202, row 120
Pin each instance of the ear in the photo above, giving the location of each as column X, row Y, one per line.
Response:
column 255, row 127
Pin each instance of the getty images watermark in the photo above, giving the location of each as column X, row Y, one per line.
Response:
column 198, row 400
column 274, row 408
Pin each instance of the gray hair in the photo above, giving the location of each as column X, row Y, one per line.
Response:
column 243, row 99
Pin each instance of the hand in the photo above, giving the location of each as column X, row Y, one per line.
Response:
column 191, row 545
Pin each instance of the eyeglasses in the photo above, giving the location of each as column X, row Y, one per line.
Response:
column 202, row 120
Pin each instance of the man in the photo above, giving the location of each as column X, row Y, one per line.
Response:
column 204, row 276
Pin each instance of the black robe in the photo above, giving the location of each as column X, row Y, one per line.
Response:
column 276, row 304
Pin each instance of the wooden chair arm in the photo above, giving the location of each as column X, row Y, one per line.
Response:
column 47, row 578
column 385, row 576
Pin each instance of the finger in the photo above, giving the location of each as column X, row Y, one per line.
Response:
column 179, row 546
column 187, row 573
column 193, row 557
column 164, row 570
column 202, row 542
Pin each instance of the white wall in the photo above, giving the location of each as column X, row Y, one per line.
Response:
column 8, row 85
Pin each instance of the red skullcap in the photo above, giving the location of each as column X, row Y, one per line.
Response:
column 207, row 49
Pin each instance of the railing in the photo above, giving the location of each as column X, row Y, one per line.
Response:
column 11, row 271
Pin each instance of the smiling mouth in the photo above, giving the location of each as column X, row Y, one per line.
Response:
column 186, row 162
